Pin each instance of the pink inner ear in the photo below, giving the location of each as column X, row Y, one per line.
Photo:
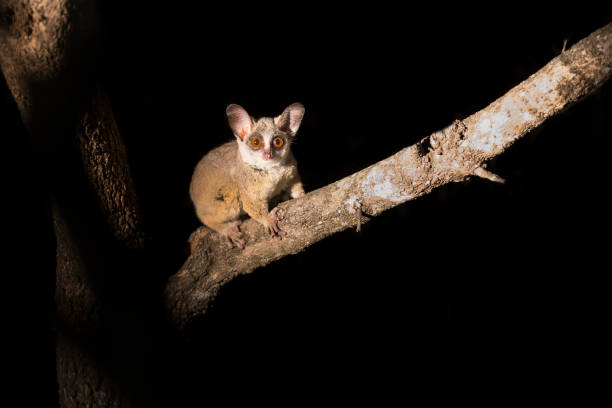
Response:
column 243, row 132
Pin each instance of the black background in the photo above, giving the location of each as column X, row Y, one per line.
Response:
column 498, row 281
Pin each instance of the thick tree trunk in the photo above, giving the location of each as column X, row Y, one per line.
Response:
column 94, row 242
column 48, row 57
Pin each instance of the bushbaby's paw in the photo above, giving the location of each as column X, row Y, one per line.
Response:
column 273, row 228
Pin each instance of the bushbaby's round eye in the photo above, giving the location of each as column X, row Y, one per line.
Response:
column 278, row 142
column 256, row 141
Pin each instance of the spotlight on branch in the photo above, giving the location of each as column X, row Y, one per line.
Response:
column 450, row 155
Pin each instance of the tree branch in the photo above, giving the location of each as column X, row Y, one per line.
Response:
column 450, row 155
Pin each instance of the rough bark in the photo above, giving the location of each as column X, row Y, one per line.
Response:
column 106, row 164
column 47, row 55
column 451, row 155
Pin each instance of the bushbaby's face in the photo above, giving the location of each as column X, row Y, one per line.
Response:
column 266, row 145
column 265, row 142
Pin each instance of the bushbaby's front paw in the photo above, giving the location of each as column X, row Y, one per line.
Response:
column 272, row 227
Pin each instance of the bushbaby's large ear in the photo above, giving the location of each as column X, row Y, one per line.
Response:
column 289, row 121
column 239, row 120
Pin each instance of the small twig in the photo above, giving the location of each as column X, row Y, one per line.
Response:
column 486, row 174
column 359, row 213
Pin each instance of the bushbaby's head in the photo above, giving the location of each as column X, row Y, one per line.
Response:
column 265, row 142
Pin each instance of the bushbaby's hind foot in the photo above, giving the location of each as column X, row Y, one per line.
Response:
column 233, row 236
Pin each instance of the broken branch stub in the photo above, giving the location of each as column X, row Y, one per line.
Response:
column 450, row 155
